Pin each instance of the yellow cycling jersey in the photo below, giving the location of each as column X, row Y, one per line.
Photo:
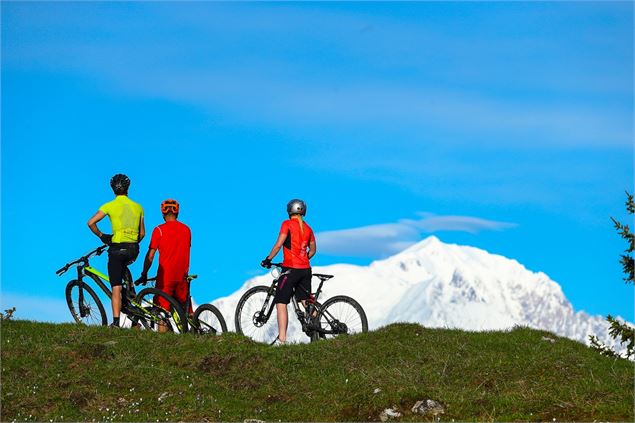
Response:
column 125, row 218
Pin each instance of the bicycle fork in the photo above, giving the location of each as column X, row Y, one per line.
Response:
column 83, row 310
column 262, row 316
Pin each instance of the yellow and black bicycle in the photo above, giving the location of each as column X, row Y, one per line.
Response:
column 140, row 309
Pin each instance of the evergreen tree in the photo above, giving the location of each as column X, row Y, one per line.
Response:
column 619, row 330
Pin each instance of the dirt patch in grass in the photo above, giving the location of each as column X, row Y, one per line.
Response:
column 218, row 365
column 94, row 352
column 246, row 384
column 359, row 412
column 221, row 365
column 276, row 398
column 80, row 399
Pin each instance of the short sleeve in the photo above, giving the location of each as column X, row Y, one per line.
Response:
column 105, row 208
column 284, row 227
column 156, row 238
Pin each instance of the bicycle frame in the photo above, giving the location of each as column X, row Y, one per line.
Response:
column 101, row 280
column 188, row 302
column 96, row 276
column 310, row 308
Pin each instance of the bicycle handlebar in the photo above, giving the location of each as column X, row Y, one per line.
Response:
column 60, row 272
column 189, row 278
column 84, row 259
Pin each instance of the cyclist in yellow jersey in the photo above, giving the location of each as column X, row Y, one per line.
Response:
column 126, row 218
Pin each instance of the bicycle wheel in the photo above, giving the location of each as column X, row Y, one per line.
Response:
column 152, row 315
column 251, row 319
column 208, row 320
column 341, row 315
column 91, row 310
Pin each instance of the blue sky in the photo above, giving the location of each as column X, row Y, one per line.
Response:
column 506, row 126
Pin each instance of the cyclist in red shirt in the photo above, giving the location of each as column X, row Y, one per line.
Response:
column 173, row 240
column 298, row 243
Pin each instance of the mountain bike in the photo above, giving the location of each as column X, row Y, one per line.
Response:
column 86, row 307
column 206, row 319
column 337, row 316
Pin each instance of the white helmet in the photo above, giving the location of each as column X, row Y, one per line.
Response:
column 296, row 206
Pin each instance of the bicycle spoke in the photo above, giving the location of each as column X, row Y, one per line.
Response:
column 341, row 315
column 249, row 313
column 210, row 319
column 89, row 311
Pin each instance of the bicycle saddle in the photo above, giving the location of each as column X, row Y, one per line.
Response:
column 322, row 276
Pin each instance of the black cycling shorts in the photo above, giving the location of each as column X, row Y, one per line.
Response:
column 298, row 280
column 120, row 255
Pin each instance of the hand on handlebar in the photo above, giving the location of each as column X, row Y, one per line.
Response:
column 143, row 279
column 266, row 263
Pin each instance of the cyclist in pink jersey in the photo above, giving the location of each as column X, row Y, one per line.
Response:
column 298, row 243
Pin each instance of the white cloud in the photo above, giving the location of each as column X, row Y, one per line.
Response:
column 384, row 239
column 473, row 225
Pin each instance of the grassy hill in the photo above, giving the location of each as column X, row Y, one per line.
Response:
column 70, row 372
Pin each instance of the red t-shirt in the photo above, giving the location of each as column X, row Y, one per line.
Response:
column 173, row 240
column 296, row 244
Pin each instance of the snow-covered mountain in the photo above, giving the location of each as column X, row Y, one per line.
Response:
column 446, row 285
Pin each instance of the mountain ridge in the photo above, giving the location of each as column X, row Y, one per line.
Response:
column 451, row 286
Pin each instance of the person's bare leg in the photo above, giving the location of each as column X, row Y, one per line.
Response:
column 162, row 326
column 283, row 320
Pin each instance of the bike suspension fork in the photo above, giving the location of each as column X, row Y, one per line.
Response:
column 80, row 296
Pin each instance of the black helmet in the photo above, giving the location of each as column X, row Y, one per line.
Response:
column 120, row 183
column 296, row 206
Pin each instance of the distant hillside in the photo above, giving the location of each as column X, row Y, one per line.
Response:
column 75, row 373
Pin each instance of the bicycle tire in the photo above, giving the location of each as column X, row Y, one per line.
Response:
column 249, row 305
column 208, row 320
column 88, row 308
column 175, row 319
column 342, row 315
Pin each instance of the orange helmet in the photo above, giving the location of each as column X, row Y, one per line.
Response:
column 170, row 206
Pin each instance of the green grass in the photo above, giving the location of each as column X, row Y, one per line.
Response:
column 78, row 373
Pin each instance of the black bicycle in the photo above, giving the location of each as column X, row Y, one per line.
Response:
column 337, row 316
column 140, row 309
column 206, row 319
